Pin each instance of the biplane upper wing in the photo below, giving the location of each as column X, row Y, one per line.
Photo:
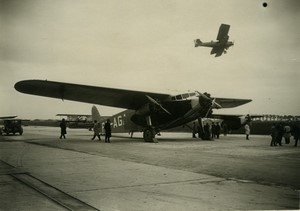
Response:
column 223, row 32
column 89, row 94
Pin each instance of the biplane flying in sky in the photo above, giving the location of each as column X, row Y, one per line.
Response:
column 151, row 112
column 218, row 47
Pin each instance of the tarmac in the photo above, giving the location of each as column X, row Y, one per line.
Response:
column 39, row 171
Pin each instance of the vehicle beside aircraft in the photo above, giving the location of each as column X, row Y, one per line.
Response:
column 152, row 112
column 11, row 125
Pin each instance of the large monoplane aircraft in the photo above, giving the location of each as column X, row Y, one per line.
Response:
column 152, row 112
column 219, row 46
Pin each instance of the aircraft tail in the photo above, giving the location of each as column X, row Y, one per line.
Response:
column 95, row 114
column 197, row 42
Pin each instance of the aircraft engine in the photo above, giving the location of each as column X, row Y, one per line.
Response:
column 204, row 100
column 146, row 109
column 206, row 104
column 235, row 123
column 232, row 124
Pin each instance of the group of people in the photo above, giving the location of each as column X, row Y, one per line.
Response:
column 96, row 128
column 207, row 132
column 280, row 131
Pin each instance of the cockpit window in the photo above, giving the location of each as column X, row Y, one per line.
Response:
column 183, row 96
column 178, row 97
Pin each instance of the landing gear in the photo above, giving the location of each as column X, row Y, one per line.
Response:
column 149, row 132
column 149, row 135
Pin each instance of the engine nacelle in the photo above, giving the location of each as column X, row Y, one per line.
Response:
column 232, row 123
column 235, row 123
column 145, row 110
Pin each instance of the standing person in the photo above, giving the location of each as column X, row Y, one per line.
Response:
column 194, row 130
column 96, row 130
column 280, row 130
column 107, row 128
column 274, row 134
column 287, row 133
column 213, row 130
column 200, row 131
column 206, row 132
column 296, row 133
column 248, row 118
column 247, row 131
column 225, row 129
column 218, row 129
column 63, row 128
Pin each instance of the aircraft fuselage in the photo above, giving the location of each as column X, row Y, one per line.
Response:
column 181, row 112
column 216, row 44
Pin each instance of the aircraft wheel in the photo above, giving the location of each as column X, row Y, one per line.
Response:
column 149, row 135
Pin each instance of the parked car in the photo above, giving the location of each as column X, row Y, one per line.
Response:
column 12, row 126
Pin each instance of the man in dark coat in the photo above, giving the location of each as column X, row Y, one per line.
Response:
column 107, row 128
column 218, row 130
column 63, row 128
column 296, row 133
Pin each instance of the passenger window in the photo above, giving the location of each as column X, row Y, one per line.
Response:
column 173, row 98
column 186, row 95
column 178, row 97
column 192, row 94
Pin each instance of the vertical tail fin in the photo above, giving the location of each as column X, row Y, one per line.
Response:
column 197, row 42
column 95, row 114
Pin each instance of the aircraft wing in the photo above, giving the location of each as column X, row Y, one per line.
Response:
column 7, row 117
column 229, row 116
column 224, row 116
column 74, row 115
column 223, row 32
column 89, row 94
column 217, row 50
column 231, row 102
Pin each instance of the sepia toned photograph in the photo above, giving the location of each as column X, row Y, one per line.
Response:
column 149, row 105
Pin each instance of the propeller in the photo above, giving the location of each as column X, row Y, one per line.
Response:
column 158, row 104
column 212, row 102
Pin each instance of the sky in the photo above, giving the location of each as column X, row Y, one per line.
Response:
column 149, row 46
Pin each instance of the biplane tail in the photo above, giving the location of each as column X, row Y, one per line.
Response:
column 197, row 42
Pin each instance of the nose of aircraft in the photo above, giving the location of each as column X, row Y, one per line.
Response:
column 205, row 100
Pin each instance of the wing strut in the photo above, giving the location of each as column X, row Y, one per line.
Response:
column 62, row 92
